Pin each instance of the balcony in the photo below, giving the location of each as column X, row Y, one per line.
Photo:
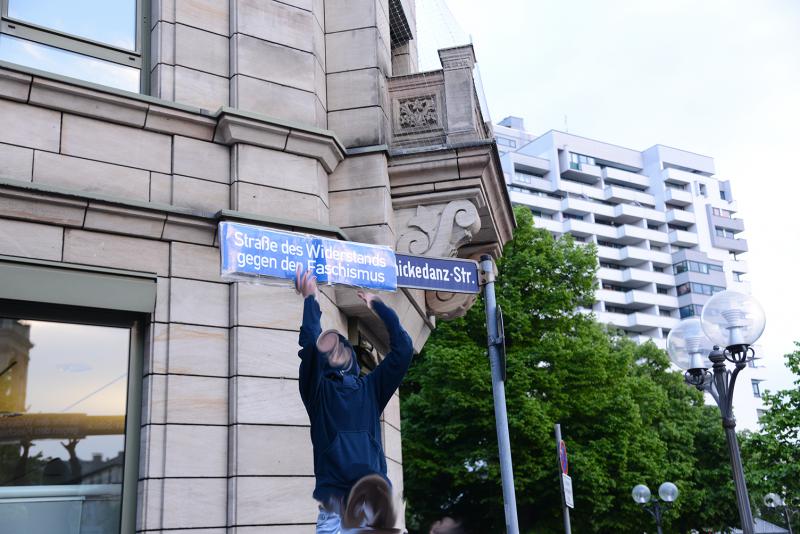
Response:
column 580, row 172
column 644, row 276
column 634, row 255
column 581, row 189
column 637, row 321
column 548, row 224
column 629, row 234
column 627, row 213
column 584, row 228
column 531, row 164
column 676, row 197
column 679, row 216
column 683, row 238
column 539, row 202
column 618, row 176
column 728, row 243
column 637, row 298
column 729, row 223
column 613, row 193
column 677, row 176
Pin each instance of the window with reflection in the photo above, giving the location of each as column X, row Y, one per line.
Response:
column 94, row 40
column 63, row 397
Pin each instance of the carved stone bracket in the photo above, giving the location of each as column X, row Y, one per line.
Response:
column 448, row 306
column 438, row 230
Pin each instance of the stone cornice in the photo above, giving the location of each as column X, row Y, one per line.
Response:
column 226, row 125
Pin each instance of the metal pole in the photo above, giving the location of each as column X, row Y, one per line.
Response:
column 788, row 518
column 567, row 526
column 725, row 382
column 499, row 393
column 657, row 508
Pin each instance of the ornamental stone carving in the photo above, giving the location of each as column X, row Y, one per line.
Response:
column 418, row 112
column 441, row 230
column 448, row 306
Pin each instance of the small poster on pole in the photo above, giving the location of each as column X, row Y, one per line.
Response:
column 567, row 484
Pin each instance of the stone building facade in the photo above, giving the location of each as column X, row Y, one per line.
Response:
column 301, row 115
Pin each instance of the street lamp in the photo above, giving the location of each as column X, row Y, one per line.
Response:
column 734, row 321
column 773, row 500
column 668, row 493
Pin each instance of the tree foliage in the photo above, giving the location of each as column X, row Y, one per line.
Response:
column 625, row 417
column 772, row 455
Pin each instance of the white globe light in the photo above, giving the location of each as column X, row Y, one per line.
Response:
column 773, row 500
column 641, row 494
column 688, row 346
column 668, row 492
column 730, row 318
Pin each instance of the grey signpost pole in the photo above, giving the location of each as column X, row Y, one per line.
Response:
column 567, row 526
column 499, row 392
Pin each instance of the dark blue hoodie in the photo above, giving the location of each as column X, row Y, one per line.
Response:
column 344, row 408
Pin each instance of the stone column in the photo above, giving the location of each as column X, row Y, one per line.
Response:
column 358, row 46
column 459, row 88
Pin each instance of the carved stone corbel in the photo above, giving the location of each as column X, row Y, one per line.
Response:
column 438, row 230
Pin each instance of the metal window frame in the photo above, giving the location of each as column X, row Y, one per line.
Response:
column 30, row 283
column 138, row 58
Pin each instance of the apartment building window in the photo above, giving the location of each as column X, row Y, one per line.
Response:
column 541, row 215
column 522, row 177
column 506, row 142
column 615, row 266
column 722, row 213
column 724, row 232
column 665, row 313
column 617, row 309
column 656, row 248
column 756, row 387
column 612, row 287
column 677, row 187
column 572, row 216
column 692, row 310
column 658, row 269
column 576, row 160
column 695, row 267
column 652, row 227
column 702, row 190
column 738, row 276
column 609, row 244
column 699, row 289
column 98, row 41
column 723, row 195
column 662, row 290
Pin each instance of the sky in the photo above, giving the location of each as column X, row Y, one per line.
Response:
column 716, row 77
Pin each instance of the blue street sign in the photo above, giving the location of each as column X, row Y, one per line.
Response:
column 253, row 252
column 438, row 274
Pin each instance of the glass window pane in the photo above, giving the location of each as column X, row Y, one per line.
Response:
column 48, row 58
column 107, row 21
column 63, row 392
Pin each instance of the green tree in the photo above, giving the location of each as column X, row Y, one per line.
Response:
column 626, row 418
column 772, row 456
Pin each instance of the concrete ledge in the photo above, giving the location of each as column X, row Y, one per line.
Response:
column 226, row 125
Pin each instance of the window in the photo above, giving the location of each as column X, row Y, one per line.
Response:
column 699, row 289
column 572, row 216
column 540, row 215
column 656, row 248
column 617, row 309
column 723, row 195
column 652, row 227
column 665, row 313
column 522, row 177
column 609, row 244
column 657, row 269
column 701, row 189
column 692, row 310
column 722, row 213
column 612, row 287
column 99, row 41
column 756, row 387
column 64, row 398
column 662, row 290
column 506, row 142
column 695, row 267
column 738, row 276
column 576, row 160
column 615, row 266
column 724, row 232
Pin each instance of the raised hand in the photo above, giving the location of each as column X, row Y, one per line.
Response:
column 368, row 298
column 305, row 283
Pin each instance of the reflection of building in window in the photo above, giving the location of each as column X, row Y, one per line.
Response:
column 100, row 42
column 15, row 346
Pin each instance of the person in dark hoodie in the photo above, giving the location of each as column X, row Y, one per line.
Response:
column 343, row 407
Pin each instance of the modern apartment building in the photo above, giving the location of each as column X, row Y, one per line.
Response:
column 665, row 228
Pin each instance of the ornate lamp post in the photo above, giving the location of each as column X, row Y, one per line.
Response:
column 773, row 500
column 734, row 321
column 668, row 493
